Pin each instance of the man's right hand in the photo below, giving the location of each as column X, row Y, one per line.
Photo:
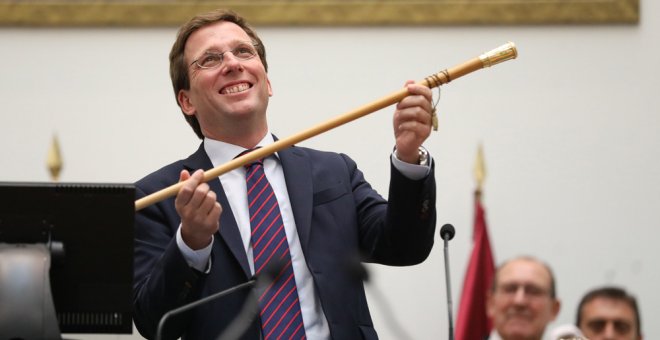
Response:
column 199, row 210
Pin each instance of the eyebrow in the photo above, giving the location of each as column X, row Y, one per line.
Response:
column 231, row 43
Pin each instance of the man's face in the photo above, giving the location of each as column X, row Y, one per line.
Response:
column 230, row 96
column 608, row 319
column 521, row 305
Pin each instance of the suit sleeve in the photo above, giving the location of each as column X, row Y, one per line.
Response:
column 162, row 280
column 400, row 231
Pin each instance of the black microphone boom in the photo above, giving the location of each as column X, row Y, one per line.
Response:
column 200, row 302
column 447, row 232
column 359, row 271
column 250, row 309
column 241, row 322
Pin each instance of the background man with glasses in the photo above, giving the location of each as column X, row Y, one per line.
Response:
column 609, row 313
column 522, row 300
column 204, row 240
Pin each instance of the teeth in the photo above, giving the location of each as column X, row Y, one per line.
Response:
column 236, row 88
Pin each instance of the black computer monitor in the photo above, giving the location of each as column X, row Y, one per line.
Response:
column 74, row 240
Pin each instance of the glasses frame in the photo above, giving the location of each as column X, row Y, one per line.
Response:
column 221, row 55
column 532, row 291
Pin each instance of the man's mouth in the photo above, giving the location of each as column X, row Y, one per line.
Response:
column 519, row 315
column 235, row 88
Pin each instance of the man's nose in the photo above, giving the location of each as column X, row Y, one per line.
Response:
column 520, row 295
column 230, row 62
column 609, row 333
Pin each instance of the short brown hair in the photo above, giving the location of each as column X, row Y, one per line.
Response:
column 613, row 293
column 178, row 67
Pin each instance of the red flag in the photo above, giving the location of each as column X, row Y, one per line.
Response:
column 472, row 322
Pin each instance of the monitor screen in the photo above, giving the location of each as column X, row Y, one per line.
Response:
column 88, row 230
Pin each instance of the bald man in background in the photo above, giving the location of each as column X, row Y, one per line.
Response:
column 522, row 300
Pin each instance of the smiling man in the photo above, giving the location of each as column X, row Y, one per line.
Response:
column 305, row 213
column 522, row 300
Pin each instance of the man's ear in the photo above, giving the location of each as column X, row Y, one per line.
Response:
column 490, row 309
column 270, row 88
column 556, row 306
column 184, row 102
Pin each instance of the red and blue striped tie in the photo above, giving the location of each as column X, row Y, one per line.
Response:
column 279, row 306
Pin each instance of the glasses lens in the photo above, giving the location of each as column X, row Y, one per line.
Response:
column 244, row 51
column 529, row 290
column 210, row 60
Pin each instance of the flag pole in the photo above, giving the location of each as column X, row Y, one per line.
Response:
column 472, row 321
column 479, row 170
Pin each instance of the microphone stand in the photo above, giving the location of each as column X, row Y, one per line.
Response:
column 199, row 302
column 250, row 309
column 447, row 232
column 240, row 323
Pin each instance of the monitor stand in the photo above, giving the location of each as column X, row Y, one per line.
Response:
column 27, row 311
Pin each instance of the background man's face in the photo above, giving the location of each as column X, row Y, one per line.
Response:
column 608, row 319
column 521, row 305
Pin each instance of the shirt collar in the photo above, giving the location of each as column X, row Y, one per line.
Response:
column 221, row 152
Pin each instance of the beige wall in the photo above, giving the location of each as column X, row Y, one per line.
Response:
column 570, row 133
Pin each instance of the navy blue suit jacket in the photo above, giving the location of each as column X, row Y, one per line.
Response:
column 338, row 215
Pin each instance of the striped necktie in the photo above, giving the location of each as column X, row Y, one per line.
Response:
column 280, row 313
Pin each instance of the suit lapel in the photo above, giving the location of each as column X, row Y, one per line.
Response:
column 229, row 233
column 298, row 175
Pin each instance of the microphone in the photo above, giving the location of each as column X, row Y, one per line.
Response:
column 447, row 232
column 262, row 280
column 250, row 309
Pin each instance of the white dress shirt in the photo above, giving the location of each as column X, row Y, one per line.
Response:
column 233, row 183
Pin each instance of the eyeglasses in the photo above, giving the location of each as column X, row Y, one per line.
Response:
column 210, row 59
column 511, row 289
column 621, row 327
